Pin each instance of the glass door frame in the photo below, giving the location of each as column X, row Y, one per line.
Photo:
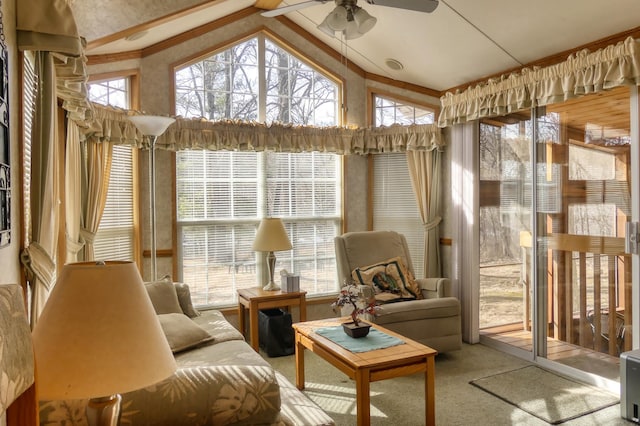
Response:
column 464, row 231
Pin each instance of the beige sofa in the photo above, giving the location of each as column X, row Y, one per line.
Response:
column 220, row 379
column 433, row 319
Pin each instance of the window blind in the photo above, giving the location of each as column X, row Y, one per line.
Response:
column 115, row 239
column 221, row 197
column 29, row 90
column 394, row 204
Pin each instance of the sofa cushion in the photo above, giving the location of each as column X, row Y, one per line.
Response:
column 415, row 310
column 184, row 299
column 390, row 279
column 217, row 325
column 163, row 296
column 182, row 333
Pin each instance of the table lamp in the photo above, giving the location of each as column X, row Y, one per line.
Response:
column 98, row 336
column 152, row 126
column 271, row 236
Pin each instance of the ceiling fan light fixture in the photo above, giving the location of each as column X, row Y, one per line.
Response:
column 365, row 21
column 352, row 31
column 324, row 27
column 337, row 19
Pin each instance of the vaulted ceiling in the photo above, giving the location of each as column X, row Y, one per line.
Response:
column 460, row 42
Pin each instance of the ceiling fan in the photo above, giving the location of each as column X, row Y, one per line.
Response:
column 426, row 6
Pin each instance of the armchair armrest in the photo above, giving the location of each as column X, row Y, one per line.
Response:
column 433, row 288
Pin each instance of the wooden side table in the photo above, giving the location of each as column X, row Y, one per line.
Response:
column 256, row 298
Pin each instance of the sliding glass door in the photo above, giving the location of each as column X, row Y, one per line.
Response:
column 555, row 196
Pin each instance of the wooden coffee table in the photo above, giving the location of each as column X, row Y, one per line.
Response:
column 366, row 367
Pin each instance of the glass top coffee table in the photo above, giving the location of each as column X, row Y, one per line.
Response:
column 405, row 359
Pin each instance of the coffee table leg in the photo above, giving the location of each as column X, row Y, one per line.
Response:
column 363, row 397
column 429, row 392
column 299, row 363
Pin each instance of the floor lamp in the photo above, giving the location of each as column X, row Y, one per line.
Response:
column 152, row 126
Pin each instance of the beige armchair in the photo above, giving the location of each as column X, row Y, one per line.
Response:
column 434, row 320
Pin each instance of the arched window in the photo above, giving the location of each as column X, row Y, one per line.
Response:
column 222, row 195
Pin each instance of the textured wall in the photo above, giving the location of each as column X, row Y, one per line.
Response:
column 99, row 21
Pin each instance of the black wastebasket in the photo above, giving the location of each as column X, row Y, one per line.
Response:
column 275, row 332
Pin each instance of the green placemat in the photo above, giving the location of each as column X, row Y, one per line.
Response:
column 376, row 339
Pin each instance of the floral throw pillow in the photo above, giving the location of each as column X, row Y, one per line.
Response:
column 390, row 280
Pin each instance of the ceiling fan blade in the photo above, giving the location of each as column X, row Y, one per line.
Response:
column 426, row 6
column 290, row 8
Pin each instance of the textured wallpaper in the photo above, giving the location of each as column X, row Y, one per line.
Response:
column 99, row 21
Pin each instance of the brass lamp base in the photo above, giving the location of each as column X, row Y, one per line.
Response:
column 104, row 411
column 271, row 264
column 272, row 286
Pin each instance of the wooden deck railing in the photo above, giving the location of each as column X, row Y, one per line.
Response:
column 575, row 265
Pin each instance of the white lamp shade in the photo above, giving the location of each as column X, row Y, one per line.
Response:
column 99, row 335
column 337, row 19
column 151, row 125
column 365, row 21
column 271, row 236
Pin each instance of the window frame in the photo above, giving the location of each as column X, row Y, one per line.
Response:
column 372, row 94
column 414, row 241
column 132, row 78
column 262, row 35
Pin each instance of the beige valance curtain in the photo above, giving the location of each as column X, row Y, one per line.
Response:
column 582, row 73
column 49, row 26
column 111, row 124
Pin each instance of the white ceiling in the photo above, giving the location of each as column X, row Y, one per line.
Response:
column 461, row 41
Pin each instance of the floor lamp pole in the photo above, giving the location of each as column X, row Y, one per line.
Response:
column 152, row 203
column 152, row 126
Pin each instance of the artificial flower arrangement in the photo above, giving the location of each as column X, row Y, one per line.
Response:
column 350, row 295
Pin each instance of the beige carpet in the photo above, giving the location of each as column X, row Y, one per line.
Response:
column 546, row 395
column 400, row 401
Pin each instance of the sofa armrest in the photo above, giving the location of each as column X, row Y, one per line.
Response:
column 433, row 288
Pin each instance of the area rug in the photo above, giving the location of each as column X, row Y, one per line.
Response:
column 548, row 396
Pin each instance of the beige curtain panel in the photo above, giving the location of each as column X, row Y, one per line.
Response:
column 98, row 163
column 582, row 73
column 73, row 192
column 39, row 257
column 111, row 125
column 425, row 169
